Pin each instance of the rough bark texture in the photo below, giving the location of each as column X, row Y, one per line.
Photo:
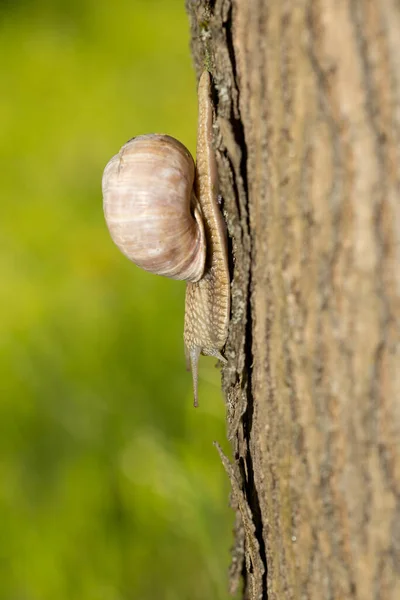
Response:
column 307, row 98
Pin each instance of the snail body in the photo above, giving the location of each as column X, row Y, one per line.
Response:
column 162, row 213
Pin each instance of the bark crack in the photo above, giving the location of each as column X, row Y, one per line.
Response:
column 244, row 457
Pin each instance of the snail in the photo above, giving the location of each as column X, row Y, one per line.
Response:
column 162, row 212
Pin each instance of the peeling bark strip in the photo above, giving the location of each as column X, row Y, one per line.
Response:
column 307, row 97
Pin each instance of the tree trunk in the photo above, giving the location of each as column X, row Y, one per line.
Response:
column 307, row 100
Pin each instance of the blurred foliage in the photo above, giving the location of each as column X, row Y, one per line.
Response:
column 110, row 488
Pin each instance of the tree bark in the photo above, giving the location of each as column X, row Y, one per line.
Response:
column 307, row 135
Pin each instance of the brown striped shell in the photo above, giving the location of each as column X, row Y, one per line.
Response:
column 150, row 207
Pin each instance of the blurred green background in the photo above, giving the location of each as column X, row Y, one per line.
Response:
column 110, row 488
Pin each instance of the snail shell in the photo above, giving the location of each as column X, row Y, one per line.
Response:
column 151, row 209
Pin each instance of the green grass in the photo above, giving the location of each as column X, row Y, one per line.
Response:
column 110, row 488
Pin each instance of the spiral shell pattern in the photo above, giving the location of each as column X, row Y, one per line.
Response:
column 151, row 209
